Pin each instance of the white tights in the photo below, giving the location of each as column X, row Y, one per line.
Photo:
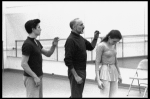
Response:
column 110, row 89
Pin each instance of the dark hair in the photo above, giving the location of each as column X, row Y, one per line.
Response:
column 73, row 22
column 31, row 24
column 113, row 34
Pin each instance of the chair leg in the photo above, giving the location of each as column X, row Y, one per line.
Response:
column 145, row 91
column 139, row 86
column 130, row 87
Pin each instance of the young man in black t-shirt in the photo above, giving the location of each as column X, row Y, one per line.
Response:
column 31, row 63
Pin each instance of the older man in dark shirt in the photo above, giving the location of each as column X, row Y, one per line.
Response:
column 76, row 56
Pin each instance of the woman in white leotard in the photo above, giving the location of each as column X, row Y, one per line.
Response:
column 106, row 67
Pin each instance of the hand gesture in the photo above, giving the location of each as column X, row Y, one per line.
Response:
column 55, row 41
column 96, row 34
column 119, row 79
column 100, row 85
column 78, row 79
column 37, row 81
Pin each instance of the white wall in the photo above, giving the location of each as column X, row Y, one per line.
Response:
column 128, row 17
column 4, row 36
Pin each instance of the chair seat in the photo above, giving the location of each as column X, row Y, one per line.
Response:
column 138, row 78
column 144, row 84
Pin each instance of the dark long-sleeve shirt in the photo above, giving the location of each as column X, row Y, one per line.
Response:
column 75, row 51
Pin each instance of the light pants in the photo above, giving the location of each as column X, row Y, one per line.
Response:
column 31, row 90
column 110, row 89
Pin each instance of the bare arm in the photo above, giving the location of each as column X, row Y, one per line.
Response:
column 97, row 72
column 116, row 64
column 25, row 66
column 98, row 59
column 119, row 77
column 49, row 52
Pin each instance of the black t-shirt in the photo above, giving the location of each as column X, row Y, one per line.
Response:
column 33, row 50
column 75, row 51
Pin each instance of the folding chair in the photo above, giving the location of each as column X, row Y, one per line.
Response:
column 142, row 66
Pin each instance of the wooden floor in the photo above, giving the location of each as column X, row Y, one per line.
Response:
column 54, row 86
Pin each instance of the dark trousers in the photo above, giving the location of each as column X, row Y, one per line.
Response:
column 76, row 89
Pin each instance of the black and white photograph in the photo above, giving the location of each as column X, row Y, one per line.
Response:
column 74, row 49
